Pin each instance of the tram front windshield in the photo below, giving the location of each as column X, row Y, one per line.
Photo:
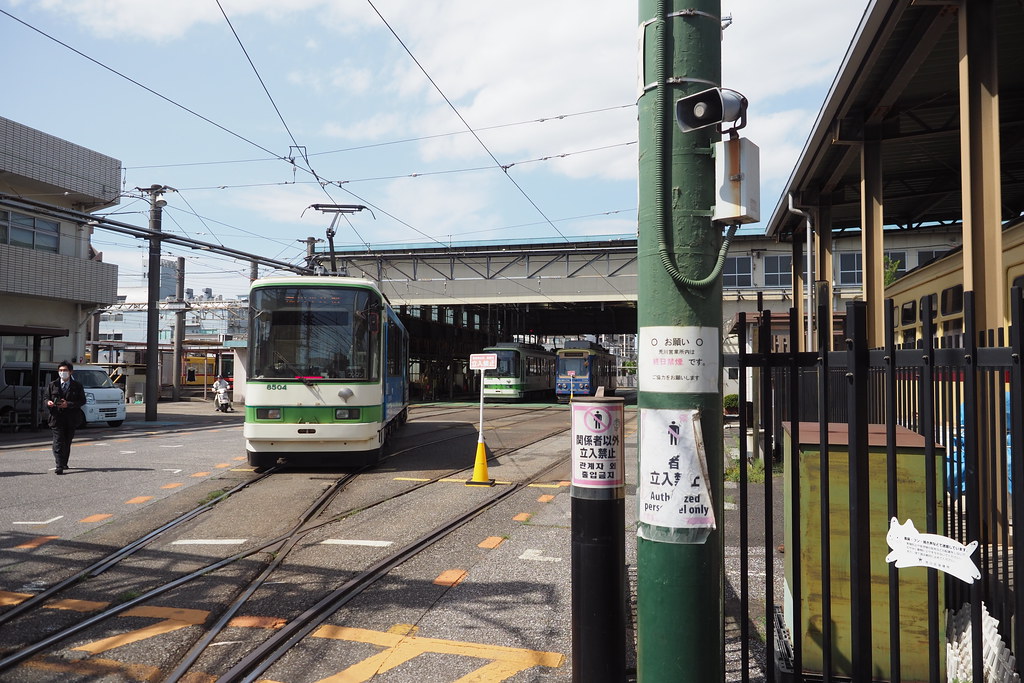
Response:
column 508, row 363
column 314, row 333
column 579, row 365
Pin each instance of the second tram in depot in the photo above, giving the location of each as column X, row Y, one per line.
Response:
column 582, row 368
column 327, row 371
column 524, row 371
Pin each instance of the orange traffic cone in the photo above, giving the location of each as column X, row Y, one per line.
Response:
column 480, row 467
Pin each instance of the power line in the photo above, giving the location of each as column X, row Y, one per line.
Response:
column 464, row 122
column 144, row 87
column 544, row 119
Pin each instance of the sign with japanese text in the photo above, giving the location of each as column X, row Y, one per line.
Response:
column 673, row 489
column 597, row 447
column 483, row 361
column 678, row 359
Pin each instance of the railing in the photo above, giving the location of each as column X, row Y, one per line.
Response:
column 883, row 438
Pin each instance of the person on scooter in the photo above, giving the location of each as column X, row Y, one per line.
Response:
column 221, row 385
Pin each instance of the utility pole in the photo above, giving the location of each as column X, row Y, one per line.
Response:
column 157, row 202
column 680, row 614
column 179, row 328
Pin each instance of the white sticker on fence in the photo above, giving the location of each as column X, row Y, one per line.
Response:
column 678, row 359
column 911, row 548
column 673, row 482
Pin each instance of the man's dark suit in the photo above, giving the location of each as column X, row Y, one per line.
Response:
column 64, row 421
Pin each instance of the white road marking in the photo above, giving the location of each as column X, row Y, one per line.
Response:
column 171, row 471
column 345, row 541
column 177, row 445
column 210, row 541
column 49, row 521
column 127, row 452
column 534, row 555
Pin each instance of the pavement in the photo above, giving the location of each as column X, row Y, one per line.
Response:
column 200, row 414
column 176, row 415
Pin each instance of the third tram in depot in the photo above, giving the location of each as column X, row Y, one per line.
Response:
column 524, row 371
column 584, row 367
column 327, row 371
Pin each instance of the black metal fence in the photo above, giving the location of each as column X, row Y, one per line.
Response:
column 894, row 454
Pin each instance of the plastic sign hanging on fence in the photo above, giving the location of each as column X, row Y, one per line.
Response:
column 911, row 548
column 674, row 502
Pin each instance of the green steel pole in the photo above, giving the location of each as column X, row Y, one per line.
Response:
column 680, row 608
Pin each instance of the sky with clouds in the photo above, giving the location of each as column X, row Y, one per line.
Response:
column 256, row 109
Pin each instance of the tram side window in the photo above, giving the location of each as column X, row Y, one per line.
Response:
column 924, row 301
column 394, row 360
column 952, row 300
column 908, row 313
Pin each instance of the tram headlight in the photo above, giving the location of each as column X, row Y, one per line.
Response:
column 346, row 413
column 268, row 413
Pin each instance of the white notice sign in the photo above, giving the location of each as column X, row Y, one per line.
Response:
column 597, row 446
column 679, row 360
column 911, row 548
column 673, row 488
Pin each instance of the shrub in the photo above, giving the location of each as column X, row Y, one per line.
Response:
column 731, row 403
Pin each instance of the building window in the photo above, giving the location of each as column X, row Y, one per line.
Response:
column 928, row 255
column 737, row 272
column 850, row 270
column 778, row 271
column 29, row 232
column 900, row 259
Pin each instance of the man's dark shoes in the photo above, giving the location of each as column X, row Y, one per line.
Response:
column 58, row 470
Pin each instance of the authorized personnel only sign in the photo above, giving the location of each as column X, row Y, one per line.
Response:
column 673, row 492
column 597, row 444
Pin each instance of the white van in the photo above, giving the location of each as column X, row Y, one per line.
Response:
column 104, row 401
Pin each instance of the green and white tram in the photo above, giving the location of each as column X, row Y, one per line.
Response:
column 524, row 371
column 327, row 371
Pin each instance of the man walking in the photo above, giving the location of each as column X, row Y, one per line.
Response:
column 65, row 398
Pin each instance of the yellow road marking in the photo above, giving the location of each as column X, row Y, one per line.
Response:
column 545, row 498
column 37, row 541
column 138, row 499
column 401, row 644
column 241, row 457
column 200, row 474
column 9, row 599
column 450, row 577
column 522, row 517
column 491, row 542
column 172, row 620
column 222, row 465
column 172, row 486
column 258, row 622
column 95, row 518
column 73, row 605
column 505, row 661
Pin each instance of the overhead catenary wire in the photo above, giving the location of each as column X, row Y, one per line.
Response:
column 464, row 122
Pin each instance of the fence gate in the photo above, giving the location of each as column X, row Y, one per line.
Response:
column 896, row 555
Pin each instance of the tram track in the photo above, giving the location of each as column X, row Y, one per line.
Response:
column 279, row 546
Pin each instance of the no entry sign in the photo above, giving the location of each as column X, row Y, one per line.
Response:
column 483, row 361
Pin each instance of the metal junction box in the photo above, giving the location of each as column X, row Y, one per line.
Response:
column 738, row 182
